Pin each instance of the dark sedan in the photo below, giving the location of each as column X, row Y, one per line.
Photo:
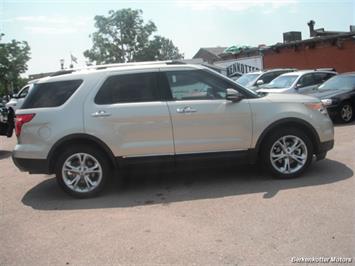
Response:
column 338, row 95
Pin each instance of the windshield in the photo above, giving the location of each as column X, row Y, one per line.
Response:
column 247, row 78
column 282, row 82
column 338, row 83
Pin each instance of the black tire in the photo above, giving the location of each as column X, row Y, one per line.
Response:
column 11, row 123
column 268, row 144
column 96, row 154
column 345, row 107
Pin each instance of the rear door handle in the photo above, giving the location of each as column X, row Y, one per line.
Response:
column 186, row 109
column 100, row 113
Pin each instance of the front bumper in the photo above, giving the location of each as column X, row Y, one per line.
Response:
column 33, row 166
column 333, row 111
column 323, row 148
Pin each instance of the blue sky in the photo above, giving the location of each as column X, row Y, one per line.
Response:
column 54, row 29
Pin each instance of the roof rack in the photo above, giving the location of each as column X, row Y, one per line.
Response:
column 61, row 72
column 105, row 66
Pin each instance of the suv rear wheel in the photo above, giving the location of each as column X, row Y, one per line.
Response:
column 286, row 153
column 82, row 171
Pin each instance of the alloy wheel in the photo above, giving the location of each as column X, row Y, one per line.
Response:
column 288, row 154
column 82, row 172
column 346, row 112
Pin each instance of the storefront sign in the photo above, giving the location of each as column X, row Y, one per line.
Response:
column 241, row 66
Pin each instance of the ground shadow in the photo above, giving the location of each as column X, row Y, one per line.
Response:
column 185, row 185
column 5, row 154
column 339, row 124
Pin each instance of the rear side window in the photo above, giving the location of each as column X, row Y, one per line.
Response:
column 24, row 92
column 51, row 94
column 321, row 77
column 140, row 87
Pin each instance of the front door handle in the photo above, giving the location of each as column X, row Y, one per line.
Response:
column 186, row 109
column 100, row 113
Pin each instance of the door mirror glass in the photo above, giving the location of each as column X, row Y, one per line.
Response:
column 233, row 95
column 259, row 82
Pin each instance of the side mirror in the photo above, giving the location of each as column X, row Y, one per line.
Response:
column 233, row 95
column 259, row 82
column 298, row 85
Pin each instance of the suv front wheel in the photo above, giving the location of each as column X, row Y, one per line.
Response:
column 286, row 153
column 82, row 171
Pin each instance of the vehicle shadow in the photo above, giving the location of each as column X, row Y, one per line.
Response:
column 338, row 124
column 5, row 154
column 185, row 185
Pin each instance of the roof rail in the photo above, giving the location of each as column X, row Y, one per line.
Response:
column 62, row 72
column 105, row 66
column 97, row 67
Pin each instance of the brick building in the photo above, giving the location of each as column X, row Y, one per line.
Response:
column 335, row 51
column 324, row 49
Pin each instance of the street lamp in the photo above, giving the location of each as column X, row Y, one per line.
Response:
column 61, row 63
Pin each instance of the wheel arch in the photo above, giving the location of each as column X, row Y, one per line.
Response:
column 290, row 122
column 75, row 139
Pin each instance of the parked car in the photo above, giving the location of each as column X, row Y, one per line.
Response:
column 3, row 120
column 338, row 95
column 304, row 82
column 15, row 103
column 17, row 100
column 253, row 80
column 81, row 126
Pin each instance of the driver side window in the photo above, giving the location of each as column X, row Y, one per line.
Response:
column 306, row 80
column 195, row 85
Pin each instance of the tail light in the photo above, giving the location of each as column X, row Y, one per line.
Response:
column 21, row 120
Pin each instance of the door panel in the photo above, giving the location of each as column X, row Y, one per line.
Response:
column 133, row 129
column 308, row 89
column 212, row 126
column 203, row 121
column 139, row 125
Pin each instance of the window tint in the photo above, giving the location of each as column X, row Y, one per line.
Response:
column 24, row 92
column 196, row 85
column 321, row 77
column 141, row 87
column 268, row 77
column 51, row 94
column 307, row 80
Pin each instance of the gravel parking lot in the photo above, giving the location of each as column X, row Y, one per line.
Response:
column 235, row 215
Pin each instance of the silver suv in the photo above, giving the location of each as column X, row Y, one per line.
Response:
column 83, row 125
column 303, row 82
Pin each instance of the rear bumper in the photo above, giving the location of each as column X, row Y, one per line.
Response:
column 33, row 166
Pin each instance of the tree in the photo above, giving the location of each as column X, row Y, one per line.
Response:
column 159, row 48
column 123, row 36
column 13, row 61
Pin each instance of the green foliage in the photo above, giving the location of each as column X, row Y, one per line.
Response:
column 159, row 48
column 123, row 36
column 13, row 61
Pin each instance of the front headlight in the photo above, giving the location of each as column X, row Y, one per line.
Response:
column 317, row 107
column 327, row 102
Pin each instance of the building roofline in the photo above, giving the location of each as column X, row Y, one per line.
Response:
column 312, row 40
